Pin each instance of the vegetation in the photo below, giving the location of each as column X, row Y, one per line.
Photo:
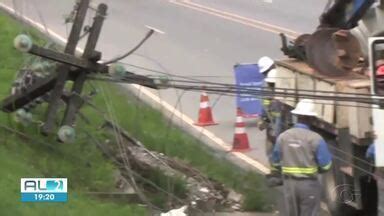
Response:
column 84, row 165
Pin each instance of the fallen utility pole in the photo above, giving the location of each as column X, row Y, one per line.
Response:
column 70, row 68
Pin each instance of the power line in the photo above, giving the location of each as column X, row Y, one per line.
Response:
column 190, row 79
column 260, row 91
column 121, row 149
column 146, row 37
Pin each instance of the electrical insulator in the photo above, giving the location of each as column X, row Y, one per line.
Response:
column 117, row 70
column 23, row 117
column 161, row 81
column 23, row 43
column 66, row 134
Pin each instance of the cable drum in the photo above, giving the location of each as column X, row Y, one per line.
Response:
column 333, row 52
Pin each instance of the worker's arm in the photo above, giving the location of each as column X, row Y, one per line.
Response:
column 323, row 156
column 276, row 156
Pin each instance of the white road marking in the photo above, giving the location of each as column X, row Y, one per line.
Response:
column 237, row 18
column 218, row 141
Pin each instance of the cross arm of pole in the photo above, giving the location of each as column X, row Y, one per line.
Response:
column 19, row 100
column 68, row 59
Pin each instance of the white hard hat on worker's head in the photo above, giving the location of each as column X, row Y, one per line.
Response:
column 305, row 107
column 265, row 63
column 271, row 77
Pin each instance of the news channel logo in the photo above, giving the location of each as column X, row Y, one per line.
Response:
column 43, row 189
column 346, row 193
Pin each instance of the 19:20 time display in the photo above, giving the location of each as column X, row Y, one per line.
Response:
column 44, row 196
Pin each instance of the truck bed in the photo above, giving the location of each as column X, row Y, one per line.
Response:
column 303, row 68
column 298, row 76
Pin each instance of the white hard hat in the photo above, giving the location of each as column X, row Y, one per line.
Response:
column 265, row 63
column 305, row 107
column 271, row 77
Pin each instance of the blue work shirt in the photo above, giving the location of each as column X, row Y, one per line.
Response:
column 322, row 155
column 370, row 154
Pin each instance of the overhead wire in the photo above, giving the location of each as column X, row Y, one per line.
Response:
column 119, row 139
column 361, row 169
column 259, row 92
column 350, row 155
column 178, row 96
column 265, row 92
column 329, row 104
column 42, row 20
column 190, row 79
column 121, row 149
column 51, row 147
column 146, row 180
column 118, row 58
column 344, row 152
column 167, row 72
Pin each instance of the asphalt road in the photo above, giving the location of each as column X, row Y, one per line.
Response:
column 203, row 38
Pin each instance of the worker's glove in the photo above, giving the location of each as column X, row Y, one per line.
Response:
column 262, row 125
column 321, row 170
column 274, row 179
column 266, row 119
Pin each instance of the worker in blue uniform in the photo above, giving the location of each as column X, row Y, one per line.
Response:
column 301, row 154
column 272, row 109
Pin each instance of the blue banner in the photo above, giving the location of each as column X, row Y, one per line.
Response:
column 249, row 76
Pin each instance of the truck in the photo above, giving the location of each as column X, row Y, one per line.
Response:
column 340, row 60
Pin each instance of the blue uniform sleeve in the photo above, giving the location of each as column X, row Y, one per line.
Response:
column 370, row 154
column 276, row 155
column 323, row 156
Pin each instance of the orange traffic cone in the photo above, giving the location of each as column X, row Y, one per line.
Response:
column 240, row 139
column 205, row 112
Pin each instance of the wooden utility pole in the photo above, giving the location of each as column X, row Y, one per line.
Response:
column 90, row 54
column 63, row 70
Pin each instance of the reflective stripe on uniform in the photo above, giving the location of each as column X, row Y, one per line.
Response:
column 266, row 102
column 299, row 170
column 275, row 114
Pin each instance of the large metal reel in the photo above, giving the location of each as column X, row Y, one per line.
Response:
column 333, row 52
